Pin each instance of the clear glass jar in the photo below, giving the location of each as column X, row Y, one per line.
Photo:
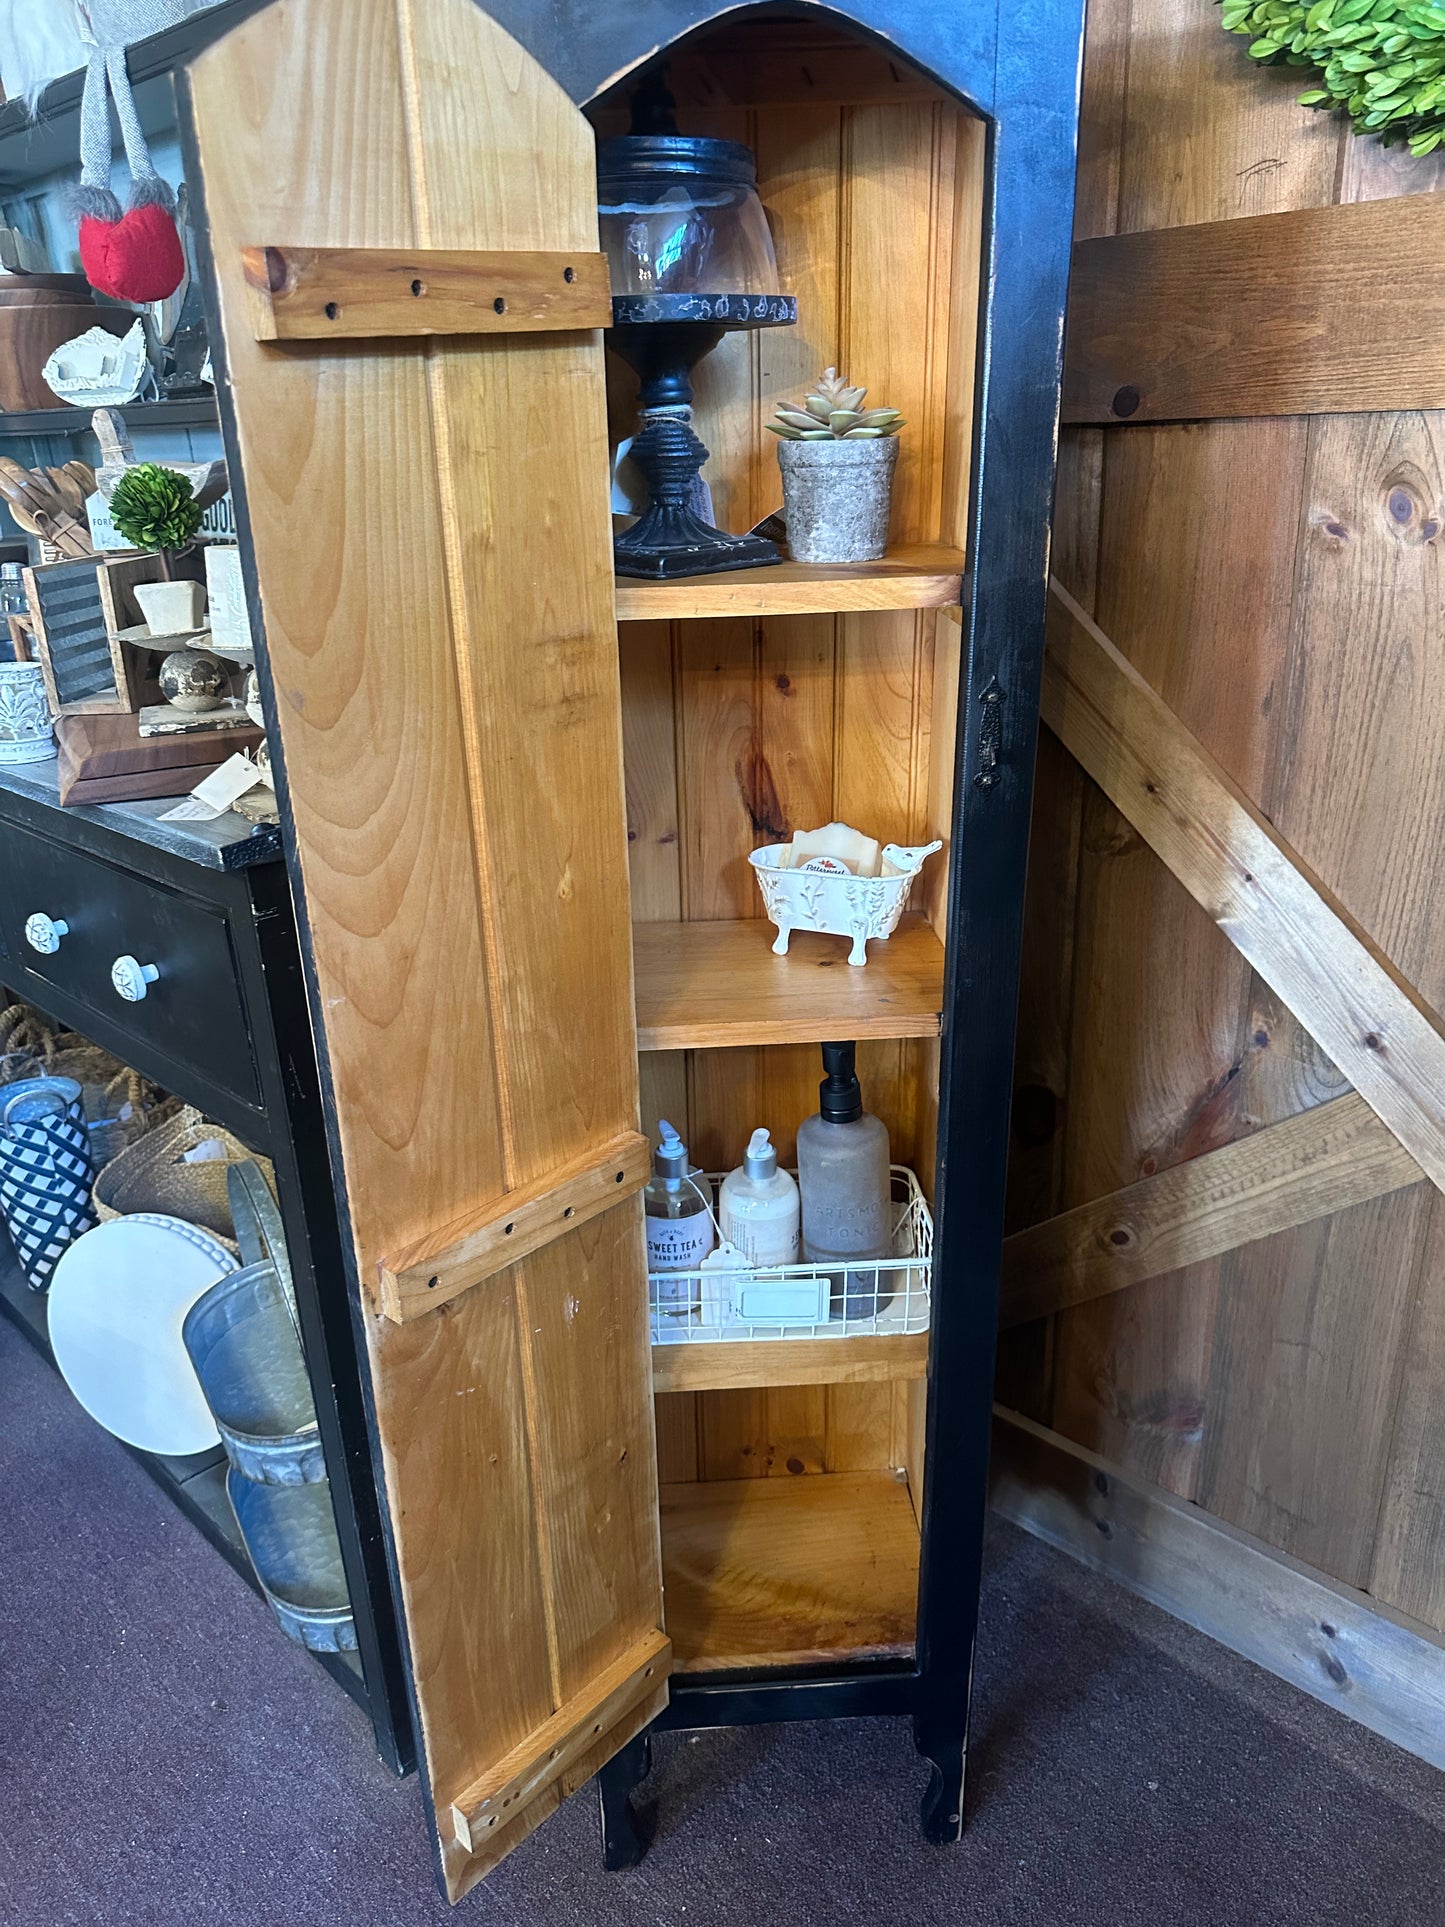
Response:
column 13, row 600
column 681, row 215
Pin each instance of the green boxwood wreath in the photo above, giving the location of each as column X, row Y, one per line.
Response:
column 1382, row 60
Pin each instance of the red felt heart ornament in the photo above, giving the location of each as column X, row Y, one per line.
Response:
column 137, row 258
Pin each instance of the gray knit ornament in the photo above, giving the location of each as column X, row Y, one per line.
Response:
column 112, row 26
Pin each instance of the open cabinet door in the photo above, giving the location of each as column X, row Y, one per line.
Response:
column 427, row 522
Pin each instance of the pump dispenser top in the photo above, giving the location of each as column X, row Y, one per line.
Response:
column 840, row 1096
column 669, row 1160
column 760, row 1160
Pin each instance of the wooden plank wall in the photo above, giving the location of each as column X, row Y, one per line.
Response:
column 737, row 732
column 1279, row 583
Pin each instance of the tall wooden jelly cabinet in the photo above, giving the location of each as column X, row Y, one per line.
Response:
column 518, row 796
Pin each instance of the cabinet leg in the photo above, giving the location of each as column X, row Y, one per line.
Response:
column 625, row 1839
column 947, row 1756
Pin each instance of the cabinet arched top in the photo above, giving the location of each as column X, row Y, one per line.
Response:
column 589, row 47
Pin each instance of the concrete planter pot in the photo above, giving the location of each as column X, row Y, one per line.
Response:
column 836, row 497
column 171, row 608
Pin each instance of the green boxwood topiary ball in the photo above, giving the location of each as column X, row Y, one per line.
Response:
column 154, row 508
column 1382, row 60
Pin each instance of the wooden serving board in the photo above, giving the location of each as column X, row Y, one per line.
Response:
column 105, row 759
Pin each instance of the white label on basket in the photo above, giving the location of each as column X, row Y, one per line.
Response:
column 210, row 1150
column 783, row 1301
column 678, row 1244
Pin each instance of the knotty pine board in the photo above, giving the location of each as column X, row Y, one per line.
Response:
column 1302, row 312
column 1180, row 127
column 466, row 1045
column 739, row 731
column 1156, row 1047
column 1357, row 790
column 1307, row 1354
column 1207, row 133
column 789, row 1571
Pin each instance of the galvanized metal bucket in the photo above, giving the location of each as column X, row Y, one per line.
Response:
column 243, row 1342
column 290, row 1533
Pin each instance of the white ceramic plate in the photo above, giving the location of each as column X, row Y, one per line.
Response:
column 117, row 1300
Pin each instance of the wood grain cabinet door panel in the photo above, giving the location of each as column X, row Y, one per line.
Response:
column 427, row 527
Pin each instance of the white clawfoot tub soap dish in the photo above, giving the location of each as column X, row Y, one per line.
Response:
column 838, row 881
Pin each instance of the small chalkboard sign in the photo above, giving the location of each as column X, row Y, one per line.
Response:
column 71, row 638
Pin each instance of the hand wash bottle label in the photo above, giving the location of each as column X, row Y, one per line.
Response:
column 679, row 1221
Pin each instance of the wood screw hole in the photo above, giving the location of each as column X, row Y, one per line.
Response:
column 620, row 1176
column 568, row 1212
column 418, row 287
column 332, row 311
column 598, row 1727
column 432, row 1283
column 507, row 1230
column 569, row 274
column 500, row 305
column 493, row 1821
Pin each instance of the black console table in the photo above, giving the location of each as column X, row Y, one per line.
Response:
column 225, row 1028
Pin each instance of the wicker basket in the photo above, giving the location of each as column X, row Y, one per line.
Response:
column 120, row 1105
column 159, row 1172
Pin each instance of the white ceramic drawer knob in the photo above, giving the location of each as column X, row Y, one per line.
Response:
column 43, row 933
column 131, row 978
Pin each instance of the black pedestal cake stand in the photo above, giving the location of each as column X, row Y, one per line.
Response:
column 663, row 337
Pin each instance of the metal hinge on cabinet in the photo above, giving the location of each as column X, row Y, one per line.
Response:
column 990, row 735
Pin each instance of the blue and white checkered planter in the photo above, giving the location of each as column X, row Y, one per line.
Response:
column 46, row 1172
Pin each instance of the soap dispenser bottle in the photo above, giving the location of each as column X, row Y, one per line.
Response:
column 679, row 1221
column 843, row 1173
column 758, row 1208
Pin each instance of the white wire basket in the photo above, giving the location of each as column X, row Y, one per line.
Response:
column 882, row 1297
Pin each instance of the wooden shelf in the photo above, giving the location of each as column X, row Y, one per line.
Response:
column 194, row 411
column 923, row 577
column 870, row 1359
column 703, row 986
column 788, row 1571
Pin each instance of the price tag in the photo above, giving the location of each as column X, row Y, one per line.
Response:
column 215, row 794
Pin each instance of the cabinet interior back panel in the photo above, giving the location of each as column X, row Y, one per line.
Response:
column 739, row 731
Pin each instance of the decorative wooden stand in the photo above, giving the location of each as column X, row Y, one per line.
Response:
column 415, row 411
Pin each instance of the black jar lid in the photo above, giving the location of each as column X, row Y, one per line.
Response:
column 683, row 156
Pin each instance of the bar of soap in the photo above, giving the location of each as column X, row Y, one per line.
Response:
column 860, row 853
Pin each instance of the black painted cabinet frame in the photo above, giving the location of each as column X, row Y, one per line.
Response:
column 1018, row 68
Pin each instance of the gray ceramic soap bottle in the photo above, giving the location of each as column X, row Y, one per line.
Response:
column 847, row 1192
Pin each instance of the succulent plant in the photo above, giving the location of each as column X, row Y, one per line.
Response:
column 1381, row 60
column 154, row 508
column 834, row 412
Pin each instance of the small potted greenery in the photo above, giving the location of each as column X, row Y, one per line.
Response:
column 837, row 460
column 155, row 509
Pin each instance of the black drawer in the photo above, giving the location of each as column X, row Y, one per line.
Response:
column 194, row 1012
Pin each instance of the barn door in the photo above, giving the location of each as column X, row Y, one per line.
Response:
column 401, row 208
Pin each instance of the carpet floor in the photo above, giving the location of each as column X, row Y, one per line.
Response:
column 166, row 1756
